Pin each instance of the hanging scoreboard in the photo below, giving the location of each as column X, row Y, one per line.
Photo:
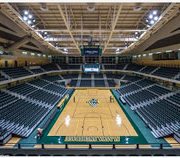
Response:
column 89, row 68
column 91, row 51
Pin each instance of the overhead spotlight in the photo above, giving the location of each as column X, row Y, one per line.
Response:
column 30, row 16
column 152, row 22
column 155, row 18
column 25, row 18
column 26, row 12
column 150, row 16
column 29, row 22
column 154, row 12
column 34, row 20
column 45, row 33
column 117, row 50
column 136, row 33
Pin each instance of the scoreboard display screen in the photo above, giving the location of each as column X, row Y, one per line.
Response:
column 88, row 68
column 91, row 51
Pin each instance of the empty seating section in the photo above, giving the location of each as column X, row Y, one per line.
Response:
column 148, row 69
column 144, row 83
column 3, row 134
column 160, row 114
column 111, row 67
column 21, row 117
column 131, row 78
column 55, row 88
column 85, row 83
column 129, row 88
column 44, row 97
column 116, row 76
column 39, row 83
column 6, row 99
column 36, row 71
column 50, row 67
column 2, row 78
column 99, row 83
column 172, row 73
column 65, row 67
column 52, row 78
column 166, row 72
column 70, row 76
column 111, row 83
column 23, row 89
column 139, row 97
column 61, row 83
column 16, row 72
column 175, row 98
column 159, row 90
column 86, row 75
column 134, row 67
column 73, row 83
column 118, row 66
column 162, row 117
column 98, row 75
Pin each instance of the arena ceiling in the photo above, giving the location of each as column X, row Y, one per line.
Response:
column 64, row 27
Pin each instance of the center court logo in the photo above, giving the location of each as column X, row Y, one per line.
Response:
column 93, row 102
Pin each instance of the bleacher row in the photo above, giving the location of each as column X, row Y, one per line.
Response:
column 158, row 106
column 90, row 80
column 4, row 133
column 171, row 73
column 144, row 96
column 24, row 106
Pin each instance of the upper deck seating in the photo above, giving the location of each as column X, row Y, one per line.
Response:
column 85, row 83
column 16, row 72
column 37, row 71
column 99, row 83
column 166, row 72
column 50, row 67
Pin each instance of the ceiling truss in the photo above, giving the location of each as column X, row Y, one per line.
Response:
column 110, row 25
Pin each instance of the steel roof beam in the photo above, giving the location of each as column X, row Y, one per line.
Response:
column 68, row 28
column 113, row 27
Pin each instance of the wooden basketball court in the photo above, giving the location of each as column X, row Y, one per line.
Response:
column 79, row 118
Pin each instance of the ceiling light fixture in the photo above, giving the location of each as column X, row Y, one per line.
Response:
column 25, row 18
column 152, row 18
column 154, row 12
column 26, row 12
column 29, row 22
column 30, row 16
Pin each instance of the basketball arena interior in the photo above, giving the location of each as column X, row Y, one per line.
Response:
column 90, row 79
